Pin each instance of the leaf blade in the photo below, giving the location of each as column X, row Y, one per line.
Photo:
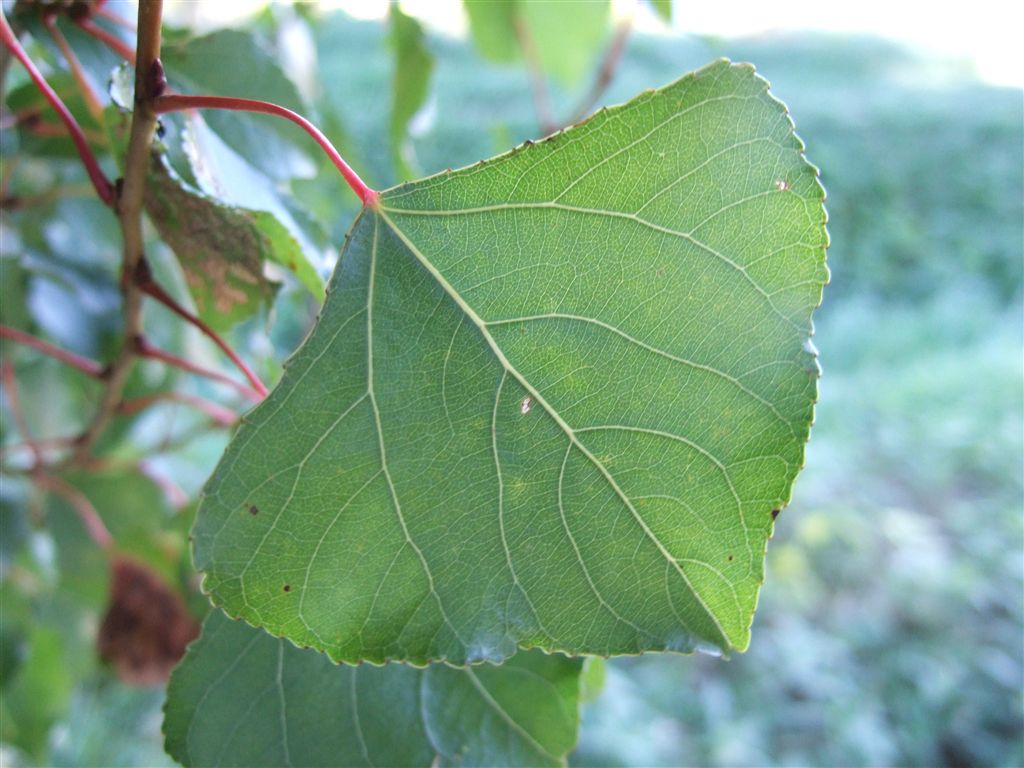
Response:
column 624, row 448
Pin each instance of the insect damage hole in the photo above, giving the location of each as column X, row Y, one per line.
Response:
column 525, row 405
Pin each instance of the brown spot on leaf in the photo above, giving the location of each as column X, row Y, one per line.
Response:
column 775, row 513
column 730, row 558
column 287, row 587
column 146, row 627
column 254, row 510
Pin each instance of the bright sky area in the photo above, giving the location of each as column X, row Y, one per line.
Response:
column 986, row 33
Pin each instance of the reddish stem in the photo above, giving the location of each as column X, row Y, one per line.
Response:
column 176, row 497
column 176, row 102
column 84, row 364
column 14, row 402
column 105, row 13
column 88, row 92
column 113, row 42
column 217, row 412
column 153, row 289
column 103, row 187
column 86, row 511
column 144, row 349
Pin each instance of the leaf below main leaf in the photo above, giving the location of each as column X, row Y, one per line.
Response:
column 242, row 697
column 552, row 399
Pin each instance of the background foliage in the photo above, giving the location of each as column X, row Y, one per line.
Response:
column 891, row 624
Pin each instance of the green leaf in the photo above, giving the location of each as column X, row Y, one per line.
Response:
column 552, row 400
column 565, row 36
column 492, row 26
column 242, row 697
column 38, row 693
column 225, row 176
column 222, row 248
column 413, row 67
column 663, row 8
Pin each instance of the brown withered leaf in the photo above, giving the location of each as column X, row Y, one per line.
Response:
column 146, row 627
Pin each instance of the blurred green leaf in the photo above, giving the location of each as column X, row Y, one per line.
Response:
column 41, row 133
column 481, row 446
column 134, row 510
column 38, row 693
column 492, row 24
column 663, row 8
column 413, row 67
column 565, row 35
column 242, row 697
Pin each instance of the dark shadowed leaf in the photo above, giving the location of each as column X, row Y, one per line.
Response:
column 244, row 698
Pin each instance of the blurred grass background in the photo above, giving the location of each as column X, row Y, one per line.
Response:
column 891, row 626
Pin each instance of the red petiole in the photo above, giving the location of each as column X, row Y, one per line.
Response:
column 103, row 187
column 151, row 288
column 144, row 349
column 110, row 40
column 84, row 364
column 178, row 102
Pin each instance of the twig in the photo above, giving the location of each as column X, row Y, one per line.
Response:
column 149, row 83
column 606, row 71
column 144, row 349
column 84, row 364
column 177, row 102
column 14, row 403
column 538, row 85
column 113, row 42
column 150, row 287
column 92, row 100
column 91, row 519
column 45, row 444
column 103, row 186
column 217, row 412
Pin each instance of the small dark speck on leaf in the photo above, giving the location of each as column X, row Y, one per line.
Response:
column 730, row 558
column 254, row 510
column 287, row 587
column 775, row 513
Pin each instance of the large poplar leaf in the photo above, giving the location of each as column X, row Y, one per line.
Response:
column 553, row 400
column 241, row 697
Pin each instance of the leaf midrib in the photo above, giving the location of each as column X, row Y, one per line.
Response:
column 569, row 432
